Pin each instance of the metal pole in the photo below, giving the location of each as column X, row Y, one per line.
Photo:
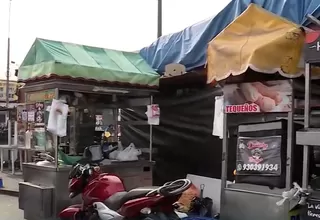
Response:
column 150, row 135
column 8, row 57
column 289, row 142
column 224, row 163
column 305, row 170
column 55, row 137
column 115, row 113
column 313, row 20
column 159, row 33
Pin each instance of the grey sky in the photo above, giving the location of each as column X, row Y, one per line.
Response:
column 115, row 24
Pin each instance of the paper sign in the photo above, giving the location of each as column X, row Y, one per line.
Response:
column 24, row 116
column 153, row 114
column 31, row 116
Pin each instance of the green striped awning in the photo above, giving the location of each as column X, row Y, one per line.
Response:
column 48, row 58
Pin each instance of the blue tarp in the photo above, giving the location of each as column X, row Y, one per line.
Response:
column 189, row 46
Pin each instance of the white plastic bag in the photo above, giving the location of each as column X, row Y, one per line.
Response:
column 105, row 213
column 57, row 122
column 62, row 121
column 130, row 153
column 114, row 155
column 218, row 117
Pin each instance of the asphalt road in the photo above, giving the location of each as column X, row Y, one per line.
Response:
column 9, row 209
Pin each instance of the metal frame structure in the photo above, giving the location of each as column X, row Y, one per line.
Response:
column 307, row 136
column 249, row 201
column 62, row 85
column 11, row 147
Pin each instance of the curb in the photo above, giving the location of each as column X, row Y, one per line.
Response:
column 8, row 192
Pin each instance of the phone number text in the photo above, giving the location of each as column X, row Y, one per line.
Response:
column 258, row 167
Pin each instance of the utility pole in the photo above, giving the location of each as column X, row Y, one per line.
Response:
column 159, row 18
column 8, row 57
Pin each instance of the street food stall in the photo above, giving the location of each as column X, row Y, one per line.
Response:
column 258, row 115
column 90, row 86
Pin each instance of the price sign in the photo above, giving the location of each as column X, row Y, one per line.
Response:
column 259, row 155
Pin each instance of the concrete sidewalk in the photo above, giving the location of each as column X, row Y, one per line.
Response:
column 10, row 183
column 9, row 208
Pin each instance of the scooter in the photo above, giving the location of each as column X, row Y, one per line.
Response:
column 104, row 196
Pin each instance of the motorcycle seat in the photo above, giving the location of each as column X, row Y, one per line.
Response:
column 115, row 201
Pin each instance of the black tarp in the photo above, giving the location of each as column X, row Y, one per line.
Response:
column 183, row 140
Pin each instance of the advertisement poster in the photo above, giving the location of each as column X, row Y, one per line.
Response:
column 39, row 113
column 99, row 123
column 259, row 156
column 270, row 96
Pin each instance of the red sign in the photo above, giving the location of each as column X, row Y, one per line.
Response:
column 245, row 108
column 257, row 144
column 155, row 110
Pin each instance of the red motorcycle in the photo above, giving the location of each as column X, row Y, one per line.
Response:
column 139, row 203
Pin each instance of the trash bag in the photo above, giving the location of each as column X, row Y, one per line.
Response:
column 201, row 207
column 66, row 159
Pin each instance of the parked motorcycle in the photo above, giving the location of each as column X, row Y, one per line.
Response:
column 104, row 196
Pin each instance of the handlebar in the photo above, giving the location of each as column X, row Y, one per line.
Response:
column 79, row 170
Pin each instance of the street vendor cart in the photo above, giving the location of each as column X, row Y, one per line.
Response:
column 259, row 152
column 94, row 83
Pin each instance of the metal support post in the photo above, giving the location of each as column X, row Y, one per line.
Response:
column 289, row 142
column 1, row 159
column 150, row 134
column 8, row 58
column 224, row 163
column 115, row 113
column 159, row 34
column 55, row 137
column 305, row 170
